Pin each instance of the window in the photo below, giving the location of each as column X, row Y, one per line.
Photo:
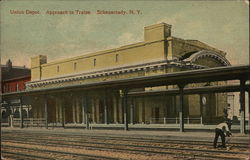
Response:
column 7, row 88
column 58, row 69
column 116, row 57
column 75, row 66
column 4, row 88
column 94, row 62
column 17, row 87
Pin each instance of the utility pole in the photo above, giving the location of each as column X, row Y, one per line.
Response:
column 0, row 107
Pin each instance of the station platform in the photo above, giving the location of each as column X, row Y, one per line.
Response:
column 149, row 127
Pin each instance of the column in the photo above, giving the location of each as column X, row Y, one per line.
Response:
column 56, row 110
column 77, row 110
column 40, row 111
column 132, row 113
column 143, row 111
column 120, row 109
column 74, row 110
column 83, row 111
column 106, row 120
column 28, row 112
column 140, row 110
column 125, row 108
column 46, row 112
column 11, row 121
column 11, row 116
column 34, row 107
column 242, row 107
column 62, row 117
column 86, row 110
column 248, row 111
column 115, row 109
column 21, row 112
column 93, row 111
column 181, row 86
column 59, row 111
column 97, row 111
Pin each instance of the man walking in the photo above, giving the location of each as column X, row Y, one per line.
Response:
column 222, row 130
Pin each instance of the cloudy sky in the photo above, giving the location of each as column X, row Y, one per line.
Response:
column 221, row 24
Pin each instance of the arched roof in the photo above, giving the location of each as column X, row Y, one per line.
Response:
column 206, row 53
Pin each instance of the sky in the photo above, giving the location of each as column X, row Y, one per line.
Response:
column 220, row 24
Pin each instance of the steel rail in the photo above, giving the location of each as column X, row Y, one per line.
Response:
column 106, row 148
column 26, row 156
column 61, row 152
column 138, row 139
column 82, row 140
column 128, row 145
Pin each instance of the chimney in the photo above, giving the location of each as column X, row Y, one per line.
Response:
column 9, row 65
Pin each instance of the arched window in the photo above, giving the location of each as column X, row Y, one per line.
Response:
column 16, row 114
column 24, row 113
column 4, row 114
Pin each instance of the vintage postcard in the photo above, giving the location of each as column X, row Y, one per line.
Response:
column 116, row 79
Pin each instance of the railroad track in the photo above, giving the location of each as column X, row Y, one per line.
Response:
column 92, row 157
column 140, row 139
column 22, row 156
column 114, row 143
column 79, row 142
column 28, row 149
column 138, row 149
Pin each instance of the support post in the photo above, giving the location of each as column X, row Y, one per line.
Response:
column 77, row 110
column 11, row 121
column 115, row 109
column 181, row 117
column 242, row 107
column 74, row 110
column 46, row 112
column 62, row 113
column 21, row 112
column 56, row 110
column 106, row 120
column 28, row 112
column 124, row 95
column 132, row 113
column 1, row 101
column 85, row 110
column 248, row 111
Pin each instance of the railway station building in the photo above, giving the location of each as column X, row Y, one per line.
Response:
column 159, row 53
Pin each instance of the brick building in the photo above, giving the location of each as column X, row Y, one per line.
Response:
column 14, row 77
column 13, row 80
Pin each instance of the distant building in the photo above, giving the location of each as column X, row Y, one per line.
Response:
column 13, row 80
column 14, row 77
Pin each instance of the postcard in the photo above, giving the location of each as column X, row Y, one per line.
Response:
column 125, row 79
